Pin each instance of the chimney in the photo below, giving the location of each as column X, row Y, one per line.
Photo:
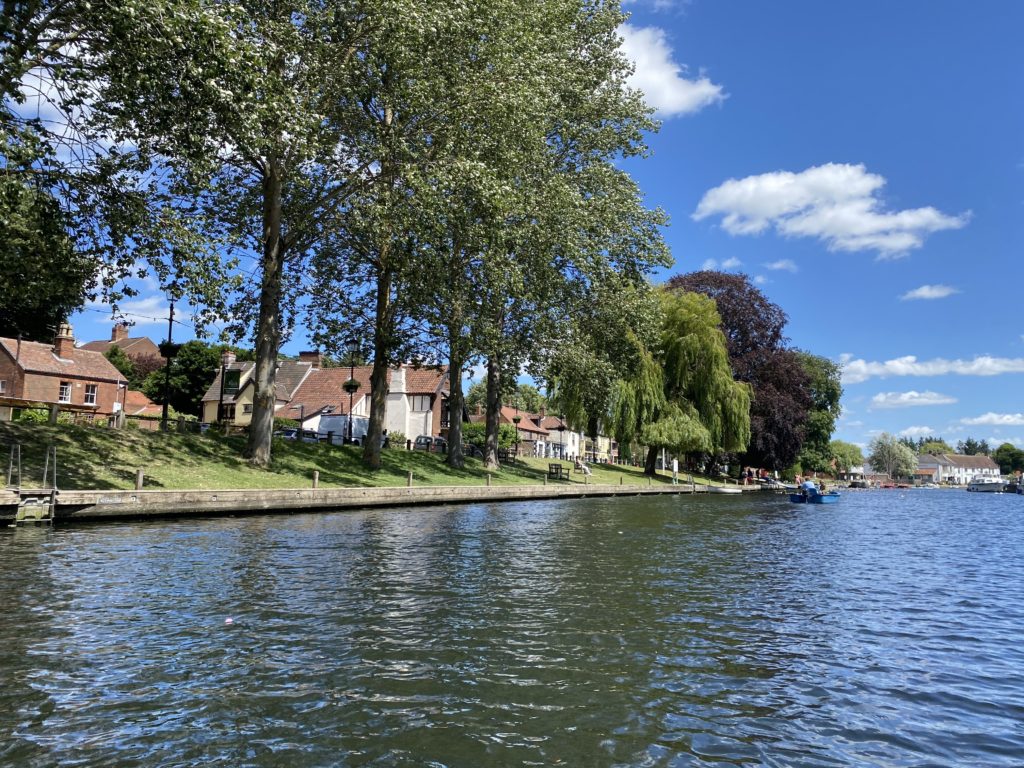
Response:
column 543, row 412
column 227, row 357
column 119, row 333
column 64, row 344
column 313, row 357
column 479, row 409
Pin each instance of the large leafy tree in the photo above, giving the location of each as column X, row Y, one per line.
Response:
column 192, row 371
column 682, row 395
column 846, row 455
column 1009, row 457
column 781, row 396
column 42, row 278
column 826, row 389
column 972, row 447
column 888, row 454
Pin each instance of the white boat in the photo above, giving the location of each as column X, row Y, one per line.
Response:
column 986, row 485
column 724, row 489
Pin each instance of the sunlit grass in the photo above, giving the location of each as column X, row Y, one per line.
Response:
column 101, row 458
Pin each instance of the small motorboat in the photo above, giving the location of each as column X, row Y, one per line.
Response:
column 809, row 494
column 724, row 489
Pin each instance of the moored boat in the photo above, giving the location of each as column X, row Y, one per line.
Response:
column 986, row 485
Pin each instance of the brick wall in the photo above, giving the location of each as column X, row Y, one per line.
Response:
column 10, row 373
column 46, row 388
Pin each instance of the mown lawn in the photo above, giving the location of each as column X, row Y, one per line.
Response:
column 102, row 458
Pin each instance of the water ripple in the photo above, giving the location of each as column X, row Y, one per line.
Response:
column 670, row 632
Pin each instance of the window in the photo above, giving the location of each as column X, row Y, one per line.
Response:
column 227, row 412
column 419, row 402
column 3, row 386
column 90, row 394
column 247, row 408
column 232, row 381
column 65, row 392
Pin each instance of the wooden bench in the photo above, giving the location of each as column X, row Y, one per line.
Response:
column 558, row 472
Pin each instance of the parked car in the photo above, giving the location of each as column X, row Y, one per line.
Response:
column 292, row 433
column 429, row 443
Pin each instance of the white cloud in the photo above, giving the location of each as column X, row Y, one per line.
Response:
column 730, row 263
column 916, row 432
column 836, row 203
column 857, row 371
column 151, row 310
column 660, row 78
column 997, row 419
column 909, row 399
column 929, row 292
column 760, row 280
column 782, row 264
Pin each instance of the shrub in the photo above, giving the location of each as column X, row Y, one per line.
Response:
column 475, row 433
column 397, row 440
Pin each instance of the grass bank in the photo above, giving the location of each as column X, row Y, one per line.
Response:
column 100, row 458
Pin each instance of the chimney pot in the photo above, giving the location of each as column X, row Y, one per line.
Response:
column 119, row 332
column 64, row 344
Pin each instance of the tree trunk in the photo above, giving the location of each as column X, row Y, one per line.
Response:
column 651, row 463
column 493, row 414
column 268, row 329
column 384, row 317
column 456, row 399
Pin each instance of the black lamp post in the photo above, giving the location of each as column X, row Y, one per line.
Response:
column 561, row 436
column 352, row 345
column 515, row 420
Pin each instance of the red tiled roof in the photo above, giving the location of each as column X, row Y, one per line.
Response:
column 426, row 381
column 526, row 420
column 137, row 404
column 324, row 387
column 34, row 357
column 140, row 346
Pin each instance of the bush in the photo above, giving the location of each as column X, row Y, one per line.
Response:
column 31, row 415
column 475, row 433
column 397, row 440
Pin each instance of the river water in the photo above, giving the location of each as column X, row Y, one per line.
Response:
column 886, row 630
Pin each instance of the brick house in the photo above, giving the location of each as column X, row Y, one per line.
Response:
column 134, row 347
column 78, row 380
column 306, row 392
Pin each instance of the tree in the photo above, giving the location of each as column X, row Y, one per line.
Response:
column 826, row 391
column 972, row 447
column 42, row 279
column 846, row 455
column 682, row 396
column 1010, row 458
column 192, row 372
column 781, row 396
column 934, row 446
column 888, row 454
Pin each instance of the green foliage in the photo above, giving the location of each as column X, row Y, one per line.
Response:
column 934, row 446
column 845, row 455
column 826, row 391
column 972, row 447
column 1009, row 457
column 889, row 455
column 192, row 372
column 42, row 280
column 475, row 433
column 397, row 440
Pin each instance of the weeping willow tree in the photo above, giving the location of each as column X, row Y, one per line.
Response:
column 682, row 396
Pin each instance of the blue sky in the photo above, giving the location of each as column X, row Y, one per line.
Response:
column 863, row 162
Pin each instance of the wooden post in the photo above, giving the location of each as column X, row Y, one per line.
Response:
column 545, row 479
column 488, row 479
column 138, row 479
column 316, row 478
column 620, row 479
column 408, row 480
column 650, row 481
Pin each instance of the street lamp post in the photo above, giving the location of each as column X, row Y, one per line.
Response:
column 515, row 420
column 352, row 345
column 561, row 436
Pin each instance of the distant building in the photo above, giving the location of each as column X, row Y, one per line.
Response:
column 134, row 347
column 79, row 380
column 957, row 469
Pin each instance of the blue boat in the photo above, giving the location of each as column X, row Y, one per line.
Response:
column 809, row 494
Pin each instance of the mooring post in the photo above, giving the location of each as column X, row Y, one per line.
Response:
column 650, row 482
column 139, row 476
column 488, row 479
column 316, row 478
column 408, row 480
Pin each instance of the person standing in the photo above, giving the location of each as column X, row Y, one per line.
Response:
column 675, row 471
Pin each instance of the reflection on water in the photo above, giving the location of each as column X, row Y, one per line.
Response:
column 714, row 631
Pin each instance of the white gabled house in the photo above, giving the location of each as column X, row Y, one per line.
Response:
column 957, row 469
